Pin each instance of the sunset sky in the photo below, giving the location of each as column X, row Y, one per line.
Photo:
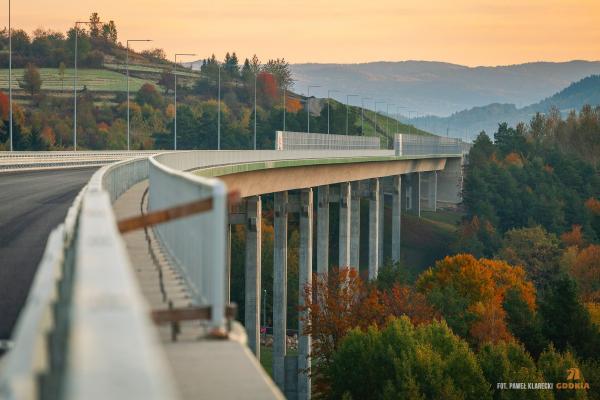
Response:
column 470, row 32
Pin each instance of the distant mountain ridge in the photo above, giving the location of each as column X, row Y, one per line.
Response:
column 438, row 88
column 476, row 119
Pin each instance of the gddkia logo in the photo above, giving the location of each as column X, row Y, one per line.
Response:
column 573, row 374
column 574, row 377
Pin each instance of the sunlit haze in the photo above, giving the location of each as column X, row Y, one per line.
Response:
column 482, row 32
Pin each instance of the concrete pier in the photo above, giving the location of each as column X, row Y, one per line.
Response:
column 280, row 287
column 253, row 271
column 345, row 205
column 355, row 225
column 396, row 216
column 432, row 191
column 305, row 278
column 415, row 193
column 374, row 229
column 322, row 229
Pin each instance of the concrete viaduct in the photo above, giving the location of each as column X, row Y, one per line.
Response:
column 82, row 286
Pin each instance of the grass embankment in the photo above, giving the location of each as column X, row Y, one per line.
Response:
column 423, row 240
column 266, row 358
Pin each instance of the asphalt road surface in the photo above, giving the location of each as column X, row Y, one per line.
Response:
column 31, row 205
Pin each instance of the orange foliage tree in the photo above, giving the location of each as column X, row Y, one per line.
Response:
column 267, row 85
column 586, row 270
column 574, row 237
column 341, row 301
column 593, row 205
column 476, row 289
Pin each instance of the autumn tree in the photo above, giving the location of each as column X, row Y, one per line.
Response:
column 341, row 301
column 149, row 95
column 469, row 293
column 167, row 80
column 32, row 81
column 536, row 250
column 510, row 362
column 585, row 268
column 401, row 361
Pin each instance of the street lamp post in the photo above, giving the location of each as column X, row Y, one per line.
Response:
column 362, row 114
column 10, row 110
column 329, row 101
column 398, row 117
column 127, row 64
column 377, row 102
column 409, row 118
column 219, row 108
column 308, row 106
column 387, row 125
column 75, row 86
column 284, row 89
column 347, row 98
column 175, row 99
column 255, row 73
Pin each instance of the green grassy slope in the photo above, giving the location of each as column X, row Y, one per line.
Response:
column 98, row 80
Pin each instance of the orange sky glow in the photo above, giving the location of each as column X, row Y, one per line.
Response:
column 469, row 32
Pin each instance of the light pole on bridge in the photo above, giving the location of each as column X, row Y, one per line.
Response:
column 347, row 100
column 362, row 114
column 329, row 101
column 10, row 109
column 75, row 85
column 127, row 66
column 308, row 106
column 175, row 97
column 377, row 102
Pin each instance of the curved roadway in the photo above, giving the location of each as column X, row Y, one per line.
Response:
column 32, row 203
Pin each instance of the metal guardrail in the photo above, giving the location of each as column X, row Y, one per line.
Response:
column 318, row 141
column 408, row 145
column 196, row 244
column 19, row 161
column 85, row 331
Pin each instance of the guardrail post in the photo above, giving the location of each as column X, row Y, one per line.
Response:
column 323, row 230
column 374, row 229
column 253, row 272
column 345, row 210
column 280, row 288
column 305, row 278
column 396, row 216
column 355, row 226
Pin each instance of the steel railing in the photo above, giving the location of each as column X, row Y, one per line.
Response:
column 85, row 331
column 196, row 244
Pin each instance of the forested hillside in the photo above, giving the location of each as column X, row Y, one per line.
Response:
column 43, row 108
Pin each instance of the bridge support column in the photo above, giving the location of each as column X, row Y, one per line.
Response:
column 415, row 193
column 432, row 191
column 396, row 216
column 253, row 272
column 345, row 204
column 380, row 236
column 305, row 278
column 355, row 226
column 280, row 287
column 323, row 230
column 374, row 229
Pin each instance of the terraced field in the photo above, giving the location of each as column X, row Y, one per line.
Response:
column 101, row 80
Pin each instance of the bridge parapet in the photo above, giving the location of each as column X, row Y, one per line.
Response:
column 411, row 145
column 85, row 331
column 285, row 140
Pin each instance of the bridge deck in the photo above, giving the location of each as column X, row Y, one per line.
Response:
column 202, row 368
